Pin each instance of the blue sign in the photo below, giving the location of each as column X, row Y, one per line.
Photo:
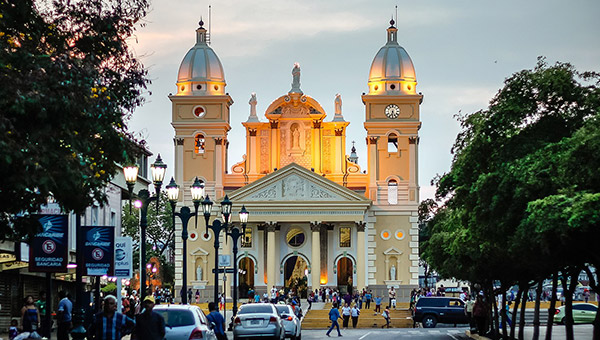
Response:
column 98, row 250
column 48, row 250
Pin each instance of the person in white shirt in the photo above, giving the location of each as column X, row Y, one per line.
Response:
column 354, row 312
column 345, row 315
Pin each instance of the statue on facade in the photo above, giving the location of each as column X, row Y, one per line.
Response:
column 393, row 273
column 199, row 273
column 296, row 78
column 252, row 103
column 338, row 104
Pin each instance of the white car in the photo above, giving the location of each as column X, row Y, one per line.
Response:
column 291, row 323
column 185, row 322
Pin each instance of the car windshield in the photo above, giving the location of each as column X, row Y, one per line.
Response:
column 255, row 308
column 176, row 317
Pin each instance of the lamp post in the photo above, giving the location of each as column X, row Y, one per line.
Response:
column 184, row 215
column 158, row 169
column 232, row 232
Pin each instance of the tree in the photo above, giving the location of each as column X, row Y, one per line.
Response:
column 522, row 192
column 69, row 85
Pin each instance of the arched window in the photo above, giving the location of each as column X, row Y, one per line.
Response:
column 393, row 192
column 392, row 143
column 199, row 143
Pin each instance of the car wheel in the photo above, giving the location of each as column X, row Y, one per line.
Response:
column 429, row 321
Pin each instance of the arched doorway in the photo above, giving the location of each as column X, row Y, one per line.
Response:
column 344, row 275
column 294, row 271
column 246, row 276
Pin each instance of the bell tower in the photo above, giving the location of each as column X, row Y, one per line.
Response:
column 200, row 117
column 392, row 123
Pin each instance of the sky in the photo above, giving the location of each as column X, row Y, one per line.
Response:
column 462, row 52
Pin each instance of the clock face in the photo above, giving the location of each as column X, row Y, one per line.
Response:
column 392, row 111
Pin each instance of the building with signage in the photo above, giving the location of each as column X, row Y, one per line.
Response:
column 317, row 219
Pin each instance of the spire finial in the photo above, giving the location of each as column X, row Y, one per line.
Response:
column 392, row 22
column 201, row 23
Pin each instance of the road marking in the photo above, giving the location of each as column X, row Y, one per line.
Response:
column 452, row 336
column 364, row 336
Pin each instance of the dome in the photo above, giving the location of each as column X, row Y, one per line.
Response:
column 392, row 71
column 201, row 71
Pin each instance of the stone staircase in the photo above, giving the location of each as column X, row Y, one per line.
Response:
column 319, row 318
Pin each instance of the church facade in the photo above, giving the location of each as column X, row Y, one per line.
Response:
column 316, row 218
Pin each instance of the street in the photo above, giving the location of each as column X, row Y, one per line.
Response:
column 387, row 334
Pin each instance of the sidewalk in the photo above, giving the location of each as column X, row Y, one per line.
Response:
column 558, row 332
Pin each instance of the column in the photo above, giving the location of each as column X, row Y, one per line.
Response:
column 315, row 227
column 316, row 139
column 361, row 270
column 179, row 159
column 253, row 157
column 274, row 145
column 341, row 152
column 271, row 260
column 219, row 141
column 372, row 167
column 413, row 194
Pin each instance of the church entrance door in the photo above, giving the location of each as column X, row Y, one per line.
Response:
column 246, row 276
column 344, row 275
column 295, row 269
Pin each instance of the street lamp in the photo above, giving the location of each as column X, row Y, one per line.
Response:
column 184, row 215
column 151, row 268
column 158, row 170
column 230, row 231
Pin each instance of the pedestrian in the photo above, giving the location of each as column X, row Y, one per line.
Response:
column 360, row 300
column 378, row 304
column 217, row 321
column 469, row 311
column 149, row 324
column 387, row 317
column 13, row 330
column 190, row 294
column 334, row 315
column 197, row 296
column 63, row 316
column 41, row 306
column 392, row 296
column 586, row 295
column 480, row 315
column 110, row 324
column 368, row 297
column 222, row 302
column 310, row 300
column 354, row 312
column 30, row 320
column 257, row 298
column 345, row 315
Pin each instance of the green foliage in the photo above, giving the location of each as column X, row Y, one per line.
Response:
column 70, row 84
column 110, row 288
column 521, row 199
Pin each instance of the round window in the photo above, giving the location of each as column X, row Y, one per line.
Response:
column 193, row 236
column 385, row 234
column 295, row 237
column 199, row 111
column 399, row 234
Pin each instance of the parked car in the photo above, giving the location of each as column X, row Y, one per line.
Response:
column 433, row 310
column 258, row 320
column 582, row 313
column 185, row 322
column 291, row 322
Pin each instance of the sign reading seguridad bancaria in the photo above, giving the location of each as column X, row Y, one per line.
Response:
column 123, row 257
column 48, row 250
column 98, row 250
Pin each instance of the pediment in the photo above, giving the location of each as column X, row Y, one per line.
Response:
column 199, row 252
column 392, row 251
column 295, row 183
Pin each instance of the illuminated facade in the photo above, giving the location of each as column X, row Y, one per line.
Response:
column 314, row 212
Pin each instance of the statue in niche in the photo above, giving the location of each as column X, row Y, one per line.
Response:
column 252, row 103
column 296, row 78
column 338, row 104
column 199, row 273
column 393, row 273
column 295, row 137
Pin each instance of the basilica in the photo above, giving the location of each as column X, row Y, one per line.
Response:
column 317, row 219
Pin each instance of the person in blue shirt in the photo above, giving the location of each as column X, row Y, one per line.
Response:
column 377, row 304
column 63, row 315
column 219, row 322
column 334, row 315
column 110, row 324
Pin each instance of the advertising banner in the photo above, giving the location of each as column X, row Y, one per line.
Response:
column 123, row 257
column 48, row 250
column 98, row 250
